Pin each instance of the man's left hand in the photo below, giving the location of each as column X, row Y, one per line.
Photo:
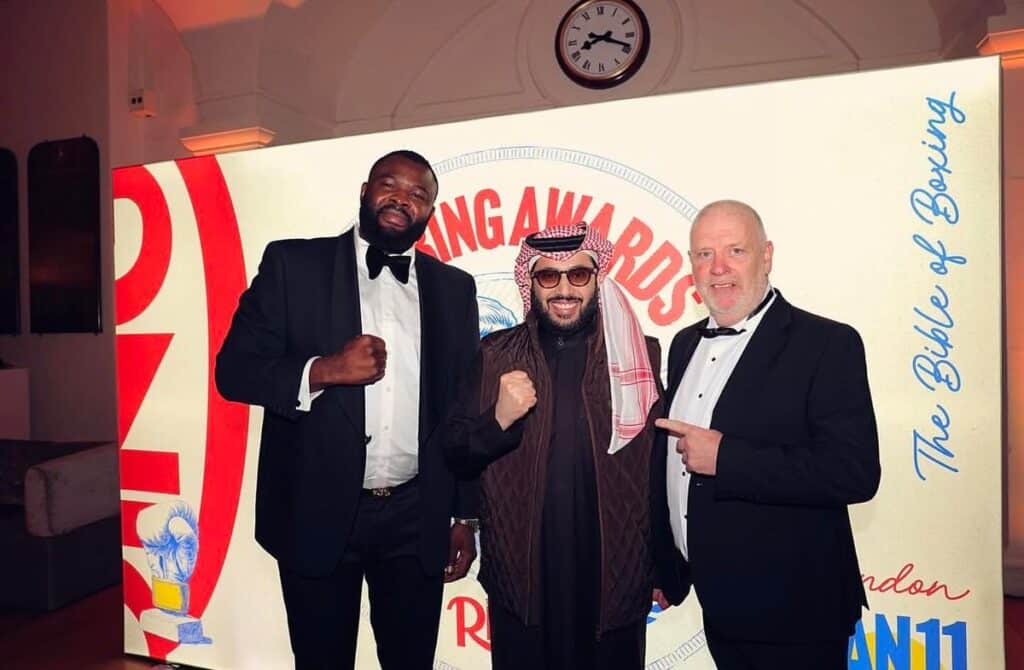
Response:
column 461, row 552
column 697, row 446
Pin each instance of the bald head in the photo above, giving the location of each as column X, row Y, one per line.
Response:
column 731, row 258
column 732, row 209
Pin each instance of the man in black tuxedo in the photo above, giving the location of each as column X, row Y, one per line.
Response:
column 353, row 346
column 771, row 434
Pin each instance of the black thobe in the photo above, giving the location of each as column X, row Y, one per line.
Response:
column 566, row 634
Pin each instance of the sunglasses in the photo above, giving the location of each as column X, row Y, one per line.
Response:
column 550, row 278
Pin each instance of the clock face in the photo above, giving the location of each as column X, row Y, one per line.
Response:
column 601, row 43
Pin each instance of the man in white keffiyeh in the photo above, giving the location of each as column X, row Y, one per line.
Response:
column 557, row 420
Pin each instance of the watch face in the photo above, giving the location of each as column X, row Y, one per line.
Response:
column 601, row 43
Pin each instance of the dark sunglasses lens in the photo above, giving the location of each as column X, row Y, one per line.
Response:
column 547, row 278
column 579, row 276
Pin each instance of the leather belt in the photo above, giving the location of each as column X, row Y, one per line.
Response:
column 388, row 491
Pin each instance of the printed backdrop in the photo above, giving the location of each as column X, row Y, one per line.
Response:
column 880, row 191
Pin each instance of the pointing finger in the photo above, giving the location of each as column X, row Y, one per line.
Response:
column 677, row 428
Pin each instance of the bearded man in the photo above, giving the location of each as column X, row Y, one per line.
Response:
column 352, row 345
column 557, row 419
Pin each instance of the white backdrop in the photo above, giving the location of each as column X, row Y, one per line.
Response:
column 880, row 191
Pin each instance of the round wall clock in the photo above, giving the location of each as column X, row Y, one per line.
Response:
column 602, row 43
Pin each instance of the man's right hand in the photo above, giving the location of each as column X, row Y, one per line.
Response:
column 361, row 361
column 516, row 396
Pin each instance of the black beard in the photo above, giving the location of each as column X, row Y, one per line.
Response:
column 585, row 319
column 371, row 230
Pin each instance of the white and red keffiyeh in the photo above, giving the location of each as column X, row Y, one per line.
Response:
column 633, row 387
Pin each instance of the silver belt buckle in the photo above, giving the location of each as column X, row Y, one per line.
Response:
column 383, row 492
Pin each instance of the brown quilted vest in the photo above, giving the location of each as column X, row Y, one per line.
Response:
column 512, row 487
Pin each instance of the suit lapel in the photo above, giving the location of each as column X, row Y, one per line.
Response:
column 687, row 348
column 762, row 350
column 346, row 323
column 432, row 337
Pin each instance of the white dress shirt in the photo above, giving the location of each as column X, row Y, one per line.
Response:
column 694, row 402
column 391, row 311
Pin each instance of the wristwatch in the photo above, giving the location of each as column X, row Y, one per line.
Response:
column 474, row 524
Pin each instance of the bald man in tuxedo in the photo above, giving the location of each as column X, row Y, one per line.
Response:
column 771, row 435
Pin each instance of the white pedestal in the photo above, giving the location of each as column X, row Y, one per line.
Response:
column 14, row 404
column 173, row 627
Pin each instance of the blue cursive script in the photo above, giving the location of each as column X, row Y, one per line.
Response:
column 933, row 449
column 933, row 366
column 934, row 202
column 941, row 258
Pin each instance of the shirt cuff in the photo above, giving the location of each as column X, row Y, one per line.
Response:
column 306, row 398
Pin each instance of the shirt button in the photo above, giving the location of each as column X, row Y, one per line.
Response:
column 713, row 359
column 700, row 395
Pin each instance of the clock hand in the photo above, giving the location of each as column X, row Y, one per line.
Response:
column 604, row 37
column 595, row 38
column 612, row 40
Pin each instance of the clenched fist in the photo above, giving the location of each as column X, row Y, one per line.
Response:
column 361, row 361
column 516, row 396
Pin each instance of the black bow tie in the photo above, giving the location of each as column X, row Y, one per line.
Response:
column 715, row 332
column 376, row 259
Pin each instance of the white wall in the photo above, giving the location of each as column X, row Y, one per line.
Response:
column 311, row 69
column 54, row 85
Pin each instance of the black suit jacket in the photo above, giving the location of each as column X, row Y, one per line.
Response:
column 771, row 552
column 304, row 302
